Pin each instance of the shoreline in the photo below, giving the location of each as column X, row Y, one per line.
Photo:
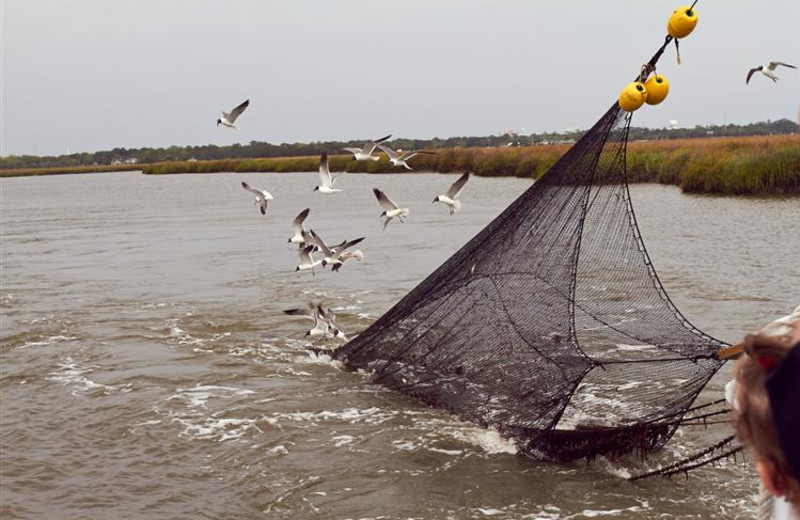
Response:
column 756, row 165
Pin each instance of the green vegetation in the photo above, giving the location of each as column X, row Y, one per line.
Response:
column 731, row 166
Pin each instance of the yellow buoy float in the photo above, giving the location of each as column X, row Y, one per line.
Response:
column 657, row 88
column 632, row 96
column 682, row 22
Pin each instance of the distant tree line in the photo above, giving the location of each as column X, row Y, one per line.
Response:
column 258, row 149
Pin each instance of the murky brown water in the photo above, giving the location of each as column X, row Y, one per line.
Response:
column 148, row 372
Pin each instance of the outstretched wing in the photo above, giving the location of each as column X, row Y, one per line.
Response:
column 254, row 191
column 324, row 170
column 352, row 150
column 385, row 201
column 347, row 245
column 457, row 186
column 391, row 153
column 305, row 255
column 307, row 311
column 750, row 74
column 773, row 64
column 321, row 243
column 411, row 153
column 297, row 223
column 370, row 146
column 236, row 112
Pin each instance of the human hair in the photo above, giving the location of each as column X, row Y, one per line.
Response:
column 752, row 416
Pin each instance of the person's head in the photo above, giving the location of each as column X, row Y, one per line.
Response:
column 761, row 412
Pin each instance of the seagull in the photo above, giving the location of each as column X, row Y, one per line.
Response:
column 313, row 312
column 299, row 230
column 400, row 159
column 767, row 70
column 362, row 154
column 449, row 198
column 229, row 119
column 306, row 260
column 262, row 196
column 390, row 208
column 325, row 179
column 332, row 255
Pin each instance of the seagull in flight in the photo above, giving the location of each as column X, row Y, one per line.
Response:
column 326, row 180
column 390, row 209
column 401, row 158
column 312, row 312
column 262, row 196
column 324, row 320
column 228, row 119
column 364, row 153
column 333, row 254
column 768, row 70
column 300, row 233
column 307, row 260
column 449, row 198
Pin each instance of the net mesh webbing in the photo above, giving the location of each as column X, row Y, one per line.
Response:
column 550, row 325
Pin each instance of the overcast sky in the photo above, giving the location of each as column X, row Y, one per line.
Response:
column 94, row 75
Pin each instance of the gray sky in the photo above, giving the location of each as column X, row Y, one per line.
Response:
column 94, row 75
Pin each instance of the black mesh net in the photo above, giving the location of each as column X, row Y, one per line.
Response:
column 550, row 325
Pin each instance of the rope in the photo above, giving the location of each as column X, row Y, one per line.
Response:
column 686, row 469
column 681, row 465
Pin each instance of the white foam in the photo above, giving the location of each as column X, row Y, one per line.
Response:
column 47, row 341
column 489, row 440
column 342, row 440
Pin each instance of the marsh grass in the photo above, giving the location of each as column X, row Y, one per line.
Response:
column 760, row 165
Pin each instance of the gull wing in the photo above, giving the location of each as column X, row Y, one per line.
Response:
column 385, row 201
column 236, row 112
column 305, row 255
column 391, row 153
column 324, row 170
column 308, row 311
column 750, row 74
column 255, row 191
column 321, row 243
column 773, row 64
column 347, row 245
column 352, row 150
column 457, row 186
column 411, row 153
column 370, row 146
column 297, row 223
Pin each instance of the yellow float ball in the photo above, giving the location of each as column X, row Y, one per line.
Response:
column 657, row 89
column 682, row 22
column 632, row 96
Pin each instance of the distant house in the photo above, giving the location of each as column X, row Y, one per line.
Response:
column 192, row 159
column 132, row 160
column 115, row 162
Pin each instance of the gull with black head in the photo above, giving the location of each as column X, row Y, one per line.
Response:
column 768, row 70
column 390, row 209
column 449, row 198
column 229, row 118
column 262, row 196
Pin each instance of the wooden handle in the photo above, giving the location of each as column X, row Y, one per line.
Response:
column 731, row 352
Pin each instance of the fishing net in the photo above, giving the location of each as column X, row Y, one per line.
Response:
column 550, row 325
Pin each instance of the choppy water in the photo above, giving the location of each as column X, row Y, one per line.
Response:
column 148, row 372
